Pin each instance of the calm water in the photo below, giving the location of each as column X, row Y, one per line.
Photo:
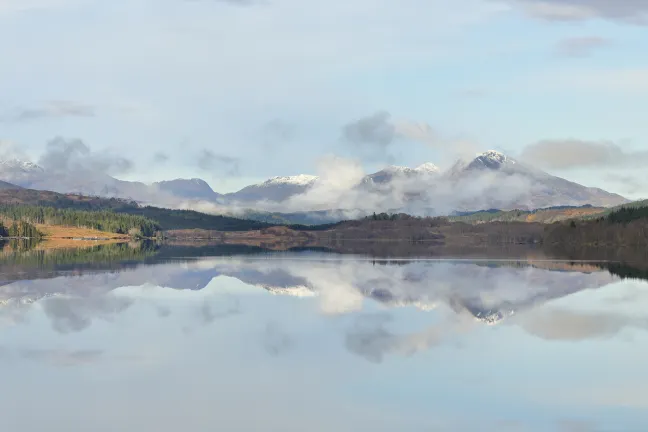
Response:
column 320, row 342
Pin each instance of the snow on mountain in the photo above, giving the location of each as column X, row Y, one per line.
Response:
column 19, row 172
column 491, row 159
column 276, row 189
column 298, row 180
column 490, row 180
column 509, row 184
column 427, row 168
column 392, row 172
column 18, row 165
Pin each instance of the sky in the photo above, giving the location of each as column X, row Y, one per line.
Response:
column 236, row 91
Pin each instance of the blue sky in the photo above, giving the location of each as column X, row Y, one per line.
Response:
column 237, row 91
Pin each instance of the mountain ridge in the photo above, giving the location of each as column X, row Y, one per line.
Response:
column 490, row 180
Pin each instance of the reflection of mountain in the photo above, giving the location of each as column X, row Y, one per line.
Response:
column 489, row 291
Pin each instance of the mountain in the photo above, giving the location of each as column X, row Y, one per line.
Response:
column 491, row 180
column 392, row 172
column 5, row 185
column 19, row 172
column 188, row 188
column 275, row 189
column 515, row 185
column 87, row 182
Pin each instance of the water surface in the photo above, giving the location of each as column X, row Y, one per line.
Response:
column 320, row 342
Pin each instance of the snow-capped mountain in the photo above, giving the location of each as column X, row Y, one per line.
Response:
column 276, row 189
column 491, row 159
column 17, row 171
column 509, row 184
column 388, row 174
column 490, row 180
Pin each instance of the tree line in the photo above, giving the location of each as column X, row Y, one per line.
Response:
column 19, row 228
column 24, row 217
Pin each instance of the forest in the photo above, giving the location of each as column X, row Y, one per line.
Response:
column 19, row 228
column 24, row 217
column 625, row 226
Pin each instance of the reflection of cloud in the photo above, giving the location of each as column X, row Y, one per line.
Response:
column 74, row 314
column 275, row 340
column 163, row 311
column 559, row 324
column 210, row 313
column 370, row 338
column 343, row 285
column 62, row 357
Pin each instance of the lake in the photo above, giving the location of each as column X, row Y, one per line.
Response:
column 139, row 339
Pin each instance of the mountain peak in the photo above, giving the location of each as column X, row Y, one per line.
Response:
column 300, row 180
column 193, row 188
column 396, row 169
column 491, row 159
column 427, row 168
column 18, row 164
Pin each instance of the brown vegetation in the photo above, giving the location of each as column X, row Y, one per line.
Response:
column 63, row 237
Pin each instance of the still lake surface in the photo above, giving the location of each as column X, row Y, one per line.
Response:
column 313, row 341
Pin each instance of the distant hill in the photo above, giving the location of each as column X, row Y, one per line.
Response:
column 167, row 219
column 188, row 188
column 547, row 215
column 6, row 185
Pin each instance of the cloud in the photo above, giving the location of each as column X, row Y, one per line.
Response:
column 578, row 47
column 73, row 155
column 62, row 357
column 230, row 2
column 160, row 158
column 629, row 11
column 51, row 110
column 372, row 134
column 7, row 6
column 210, row 161
column 278, row 131
column 11, row 150
column 630, row 184
column 574, row 153
column 375, row 134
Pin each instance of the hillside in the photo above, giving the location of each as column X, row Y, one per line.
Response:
column 166, row 218
column 547, row 215
column 6, row 185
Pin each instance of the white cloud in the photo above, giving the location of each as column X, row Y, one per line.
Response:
column 632, row 11
column 7, row 6
column 573, row 153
